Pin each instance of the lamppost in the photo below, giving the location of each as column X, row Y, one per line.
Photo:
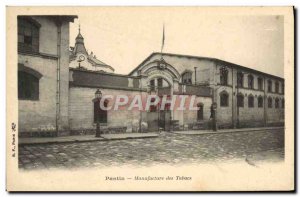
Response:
column 98, row 95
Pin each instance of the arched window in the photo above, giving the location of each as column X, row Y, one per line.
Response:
column 159, row 82
column 224, row 99
column 277, row 103
column 28, row 83
column 250, row 82
column 260, row 101
column 223, row 76
column 152, row 84
column 250, row 101
column 187, row 78
column 99, row 113
column 240, row 79
column 240, row 100
column 28, row 35
column 270, row 102
column 200, row 111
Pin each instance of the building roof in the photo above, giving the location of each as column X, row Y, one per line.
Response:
column 79, row 44
column 86, row 78
column 80, row 48
column 203, row 58
column 69, row 18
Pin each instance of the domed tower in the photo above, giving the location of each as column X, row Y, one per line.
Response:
column 79, row 44
column 79, row 57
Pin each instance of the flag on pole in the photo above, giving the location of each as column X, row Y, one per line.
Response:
column 163, row 39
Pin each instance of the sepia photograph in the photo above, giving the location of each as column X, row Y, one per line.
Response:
column 150, row 98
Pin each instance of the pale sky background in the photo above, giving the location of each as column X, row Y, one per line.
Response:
column 124, row 37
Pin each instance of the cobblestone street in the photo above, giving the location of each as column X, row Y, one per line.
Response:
column 168, row 148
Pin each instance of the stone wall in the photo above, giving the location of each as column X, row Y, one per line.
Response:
column 40, row 115
column 208, row 71
column 81, row 109
column 248, row 116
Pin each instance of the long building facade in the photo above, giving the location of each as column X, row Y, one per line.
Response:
column 242, row 97
column 43, row 74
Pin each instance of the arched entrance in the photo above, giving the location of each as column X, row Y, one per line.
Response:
column 159, row 117
column 161, row 79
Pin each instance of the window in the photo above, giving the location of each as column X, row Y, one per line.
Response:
column 152, row 84
column 282, row 103
column 200, row 111
column 187, row 78
column 240, row 79
column 282, row 88
column 240, row 100
column 250, row 82
column 223, row 76
column 160, row 82
column 270, row 102
column 28, row 35
column 99, row 113
column 28, row 86
column 224, row 99
column 260, row 102
column 276, row 87
column 276, row 103
column 250, row 101
column 259, row 83
column 269, row 86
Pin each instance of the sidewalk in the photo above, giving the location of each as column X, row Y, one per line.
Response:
column 104, row 137
column 84, row 138
column 202, row 132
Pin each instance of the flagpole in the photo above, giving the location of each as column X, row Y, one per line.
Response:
column 163, row 41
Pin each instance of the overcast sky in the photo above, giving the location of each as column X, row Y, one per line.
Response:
column 124, row 37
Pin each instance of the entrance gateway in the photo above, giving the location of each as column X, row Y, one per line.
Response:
column 160, row 119
column 160, row 79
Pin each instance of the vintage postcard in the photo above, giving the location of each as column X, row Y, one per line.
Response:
column 150, row 98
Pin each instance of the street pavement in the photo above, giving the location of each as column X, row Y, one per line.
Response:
column 168, row 148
